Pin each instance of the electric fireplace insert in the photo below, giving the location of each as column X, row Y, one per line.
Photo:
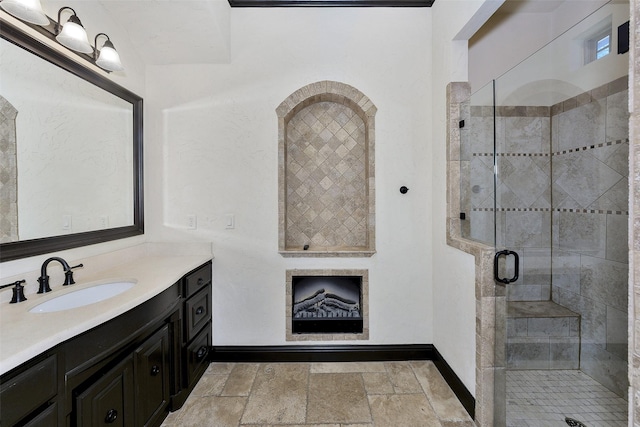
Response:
column 327, row 304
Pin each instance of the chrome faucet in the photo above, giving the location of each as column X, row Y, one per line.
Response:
column 44, row 279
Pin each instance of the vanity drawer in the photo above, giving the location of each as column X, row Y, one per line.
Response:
column 198, row 312
column 46, row 418
column 198, row 355
column 197, row 280
column 24, row 393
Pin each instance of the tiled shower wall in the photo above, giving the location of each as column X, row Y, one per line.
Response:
column 523, row 218
column 575, row 238
column 8, row 173
column 590, row 149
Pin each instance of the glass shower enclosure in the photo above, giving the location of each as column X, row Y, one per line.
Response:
column 544, row 178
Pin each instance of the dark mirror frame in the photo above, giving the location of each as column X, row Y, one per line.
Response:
column 27, row 248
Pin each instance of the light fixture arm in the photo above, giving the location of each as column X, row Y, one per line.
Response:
column 95, row 43
column 73, row 18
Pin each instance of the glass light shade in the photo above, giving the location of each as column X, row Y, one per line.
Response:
column 27, row 10
column 74, row 37
column 109, row 58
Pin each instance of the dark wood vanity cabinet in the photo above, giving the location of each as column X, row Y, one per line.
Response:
column 196, row 341
column 152, row 374
column 129, row 371
column 107, row 400
column 28, row 396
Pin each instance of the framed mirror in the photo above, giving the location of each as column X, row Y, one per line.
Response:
column 71, row 152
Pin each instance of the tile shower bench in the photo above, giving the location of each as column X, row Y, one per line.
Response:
column 542, row 335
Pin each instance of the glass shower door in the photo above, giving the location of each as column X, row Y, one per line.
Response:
column 560, row 191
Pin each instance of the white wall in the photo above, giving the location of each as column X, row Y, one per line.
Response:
column 453, row 276
column 558, row 72
column 494, row 50
column 213, row 150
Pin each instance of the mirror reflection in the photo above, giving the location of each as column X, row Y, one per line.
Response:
column 70, row 152
column 68, row 162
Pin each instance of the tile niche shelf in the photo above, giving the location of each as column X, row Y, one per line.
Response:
column 326, row 172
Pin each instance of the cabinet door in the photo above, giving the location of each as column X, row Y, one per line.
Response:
column 109, row 400
column 152, row 372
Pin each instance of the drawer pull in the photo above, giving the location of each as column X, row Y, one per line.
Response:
column 200, row 281
column 155, row 370
column 111, row 416
column 200, row 310
column 202, row 352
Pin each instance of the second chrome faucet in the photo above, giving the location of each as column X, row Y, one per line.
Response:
column 44, row 278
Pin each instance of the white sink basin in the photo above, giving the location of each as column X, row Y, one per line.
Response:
column 83, row 297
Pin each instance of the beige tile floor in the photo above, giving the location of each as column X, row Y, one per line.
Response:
column 357, row 394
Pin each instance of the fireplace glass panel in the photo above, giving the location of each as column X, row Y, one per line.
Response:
column 327, row 304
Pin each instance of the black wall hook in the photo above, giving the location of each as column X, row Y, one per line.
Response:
column 404, row 189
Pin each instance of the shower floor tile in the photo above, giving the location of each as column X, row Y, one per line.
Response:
column 541, row 398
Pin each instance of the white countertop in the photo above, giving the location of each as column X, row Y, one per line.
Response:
column 24, row 335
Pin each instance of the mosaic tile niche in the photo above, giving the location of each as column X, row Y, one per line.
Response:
column 8, row 173
column 326, row 172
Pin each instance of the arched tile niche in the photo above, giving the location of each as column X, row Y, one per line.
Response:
column 326, row 139
column 8, row 173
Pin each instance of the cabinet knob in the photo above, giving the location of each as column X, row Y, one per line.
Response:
column 111, row 416
column 155, row 370
column 200, row 310
column 202, row 351
column 200, row 281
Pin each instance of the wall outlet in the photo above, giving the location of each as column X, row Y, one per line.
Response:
column 192, row 222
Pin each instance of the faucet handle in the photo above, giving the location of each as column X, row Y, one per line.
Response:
column 18, row 291
column 68, row 275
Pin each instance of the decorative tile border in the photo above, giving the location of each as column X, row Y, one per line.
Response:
column 510, row 111
column 584, row 98
column 290, row 336
column 512, row 154
column 592, row 147
column 587, row 211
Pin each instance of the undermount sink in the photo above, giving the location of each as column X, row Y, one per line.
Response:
column 82, row 297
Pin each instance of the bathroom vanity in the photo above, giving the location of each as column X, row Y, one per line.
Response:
column 130, row 370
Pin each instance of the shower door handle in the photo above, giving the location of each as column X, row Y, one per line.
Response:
column 496, row 274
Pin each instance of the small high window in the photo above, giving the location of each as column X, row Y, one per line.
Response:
column 598, row 46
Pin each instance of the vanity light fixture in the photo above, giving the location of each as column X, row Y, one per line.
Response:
column 108, row 58
column 27, row 10
column 72, row 34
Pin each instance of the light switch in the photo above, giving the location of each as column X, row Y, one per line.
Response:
column 192, row 222
column 66, row 222
column 229, row 221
